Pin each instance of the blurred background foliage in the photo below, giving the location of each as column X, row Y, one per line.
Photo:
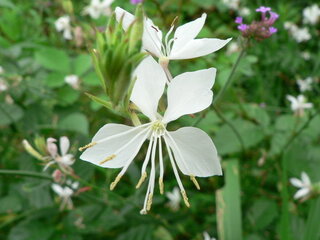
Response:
column 260, row 141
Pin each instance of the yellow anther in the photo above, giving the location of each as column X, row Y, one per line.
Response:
column 194, row 180
column 87, row 146
column 185, row 198
column 115, row 182
column 161, row 186
column 108, row 159
column 141, row 180
column 149, row 203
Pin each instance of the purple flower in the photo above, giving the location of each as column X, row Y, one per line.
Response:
column 238, row 20
column 136, row 1
column 243, row 27
column 263, row 9
column 272, row 30
column 273, row 17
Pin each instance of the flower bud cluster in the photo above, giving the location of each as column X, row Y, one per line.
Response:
column 262, row 29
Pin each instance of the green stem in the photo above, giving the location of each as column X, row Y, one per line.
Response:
column 230, row 77
column 25, row 174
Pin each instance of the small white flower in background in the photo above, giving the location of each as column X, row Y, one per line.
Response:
column 304, row 186
column 206, row 236
column 64, row 160
column 65, row 193
column 183, row 45
column 189, row 148
column 1, row 70
column 62, row 24
column 232, row 4
column 299, row 34
column 232, row 48
column 298, row 104
column 305, row 85
column 73, row 81
column 174, row 199
column 311, row 14
column 305, row 55
column 96, row 8
column 244, row 11
column 3, row 85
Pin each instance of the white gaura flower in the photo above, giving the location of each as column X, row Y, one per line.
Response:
column 174, row 199
column 311, row 14
column 304, row 186
column 305, row 85
column 206, row 236
column 64, row 160
column 65, row 193
column 62, row 24
column 298, row 104
column 190, row 149
column 232, row 48
column 183, row 45
column 73, row 81
column 98, row 8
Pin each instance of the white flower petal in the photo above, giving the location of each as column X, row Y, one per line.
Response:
column 189, row 93
column 301, row 193
column 57, row 189
column 64, row 145
column 104, row 149
column 152, row 38
column 52, row 147
column 187, row 32
column 198, row 47
column 305, row 179
column 127, row 18
column 149, row 87
column 296, row 182
column 194, row 152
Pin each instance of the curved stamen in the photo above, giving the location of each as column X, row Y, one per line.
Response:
column 183, row 192
column 124, row 169
column 161, row 167
column 166, row 40
column 145, row 163
column 152, row 39
column 149, row 193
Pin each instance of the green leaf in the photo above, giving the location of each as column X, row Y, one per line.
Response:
column 312, row 230
column 91, row 79
column 258, row 114
column 142, row 232
column 82, row 64
column 10, row 203
column 75, row 122
column 55, row 79
column 9, row 113
column 250, row 133
column 67, row 95
column 104, row 103
column 31, row 230
column 229, row 203
column 262, row 213
column 53, row 59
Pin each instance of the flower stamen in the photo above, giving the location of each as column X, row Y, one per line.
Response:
column 141, row 180
column 185, row 198
column 87, row 146
column 108, row 159
column 195, row 182
column 115, row 182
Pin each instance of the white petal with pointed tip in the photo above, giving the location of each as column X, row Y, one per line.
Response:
column 296, row 182
column 101, row 151
column 301, row 193
column 189, row 93
column 149, row 87
column 305, row 179
column 57, row 189
column 127, row 18
column 198, row 155
column 64, row 145
column 152, row 38
column 187, row 32
column 198, row 47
